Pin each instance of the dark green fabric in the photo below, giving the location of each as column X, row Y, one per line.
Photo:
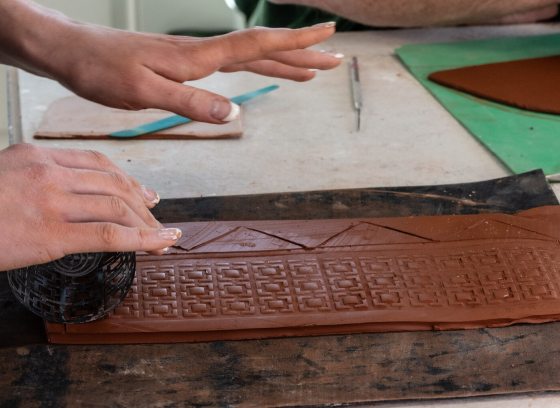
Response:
column 263, row 13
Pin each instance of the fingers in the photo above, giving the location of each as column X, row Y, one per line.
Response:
column 204, row 106
column 273, row 68
column 308, row 59
column 96, row 161
column 91, row 182
column 83, row 159
column 256, row 43
column 98, row 191
column 196, row 104
column 295, row 65
column 78, row 208
column 107, row 237
column 103, row 201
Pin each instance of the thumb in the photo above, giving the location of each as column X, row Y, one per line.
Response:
column 193, row 103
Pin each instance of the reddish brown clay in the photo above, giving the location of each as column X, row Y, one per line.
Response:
column 532, row 84
column 257, row 279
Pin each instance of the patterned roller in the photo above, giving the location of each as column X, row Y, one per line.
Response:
column 77, row 288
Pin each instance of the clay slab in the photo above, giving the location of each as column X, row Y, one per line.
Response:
column 531, row 84
column 258, row 279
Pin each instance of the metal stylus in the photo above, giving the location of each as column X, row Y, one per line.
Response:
column 356, row 90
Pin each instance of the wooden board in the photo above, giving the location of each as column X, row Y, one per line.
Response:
column 77, row 118
column 292, row 372
column 345, row 369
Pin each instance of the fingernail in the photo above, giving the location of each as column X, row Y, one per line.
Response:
column 328, row 24
column 224, row 110
column 172, row 234
column 332, row 54
column 150, row 195
column 165, row 250
column 313, row 69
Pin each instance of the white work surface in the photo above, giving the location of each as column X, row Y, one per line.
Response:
column 302, row 137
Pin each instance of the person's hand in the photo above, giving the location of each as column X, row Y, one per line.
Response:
column 131, row 70
column 56, row 202
column 136, row 70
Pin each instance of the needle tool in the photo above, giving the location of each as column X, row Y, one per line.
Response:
column 356, row 90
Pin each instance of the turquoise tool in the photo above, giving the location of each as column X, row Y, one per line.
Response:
column 176, row 120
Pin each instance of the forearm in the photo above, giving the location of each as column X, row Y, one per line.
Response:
column 412, row 13
column 27, row 35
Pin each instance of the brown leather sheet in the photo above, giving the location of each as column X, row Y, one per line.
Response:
column 260, row 279
column 531, row 84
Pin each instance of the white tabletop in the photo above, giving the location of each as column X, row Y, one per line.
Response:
column 302, row 137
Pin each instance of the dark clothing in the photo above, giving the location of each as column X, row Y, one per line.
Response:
column 263, row 13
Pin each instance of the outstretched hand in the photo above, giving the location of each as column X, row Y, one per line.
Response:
column 132, row 70
column 146, row 71
column 57, row 202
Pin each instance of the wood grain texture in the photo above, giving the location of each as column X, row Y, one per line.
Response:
column 77, row 118
column 285, row 372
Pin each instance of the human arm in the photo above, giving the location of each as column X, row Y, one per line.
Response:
column 137, row 70
column 57, row 202
column 416, row 13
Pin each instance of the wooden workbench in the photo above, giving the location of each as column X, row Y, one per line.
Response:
column 299, row 138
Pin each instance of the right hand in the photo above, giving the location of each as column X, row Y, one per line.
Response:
column 56, row 202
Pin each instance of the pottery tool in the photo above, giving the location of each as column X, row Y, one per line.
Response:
column 356, row 90
column 77, row 288
column 176, row 120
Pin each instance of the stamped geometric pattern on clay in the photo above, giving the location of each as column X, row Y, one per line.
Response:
column 315, row 284
column 264, row 278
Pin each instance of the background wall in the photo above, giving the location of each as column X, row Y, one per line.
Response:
column 106, row 12
column 3, row 109
column 95, row 11
column 153, row 15
column 145, row 15
column 197, row 15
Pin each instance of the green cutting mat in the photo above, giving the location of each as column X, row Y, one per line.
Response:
column 523, row 140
